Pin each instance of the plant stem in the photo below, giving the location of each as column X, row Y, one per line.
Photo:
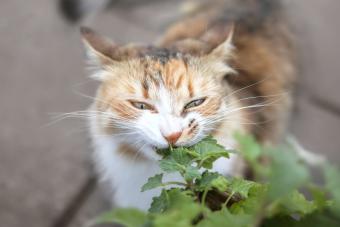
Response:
column 204, row 196
column 228, row 199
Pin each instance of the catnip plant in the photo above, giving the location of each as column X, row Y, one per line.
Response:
column 276, row 196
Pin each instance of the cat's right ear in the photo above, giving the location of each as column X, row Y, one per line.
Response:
column 99, row 51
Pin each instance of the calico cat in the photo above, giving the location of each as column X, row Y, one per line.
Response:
column 228, row 66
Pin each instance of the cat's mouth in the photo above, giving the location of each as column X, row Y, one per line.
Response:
column 157, row 148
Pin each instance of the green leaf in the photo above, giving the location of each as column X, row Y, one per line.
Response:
column 313, row 220
column 252, row 204
column 171, row 219
column 241, row 186
column 250, row 149
column 181, row 211
column 160, row 203
column 169, row 165
column 226, row 219
column 220, row 183
column 274, row 203
column 128, row 217
column 320, row 198
column 209, row 151
column 153, row 182
column 292, row 204
column 211, row 180
column 181, row 156
column 205, row 181
column 192, row 173
column 287, row 173
column 332, row 178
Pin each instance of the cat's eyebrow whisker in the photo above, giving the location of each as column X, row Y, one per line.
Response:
column 90, row 97
column 264, row 104
column 211, row 123
column 64, row 116
column 246, row 87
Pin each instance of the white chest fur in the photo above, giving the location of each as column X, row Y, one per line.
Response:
column 126, row 176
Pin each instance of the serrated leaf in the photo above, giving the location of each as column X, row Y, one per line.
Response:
column 250, row 149
column 292, row 204
column 210, row 147
column 211, row 180
column 226, row 219
column 181, row 211
column 287, row 173
column 251, row 205
column 220, row 183
column 205, row 181
column 191, row 173
column 209, row 151
column 169, row 165
column 174, row 207
column 181, row 156
column 172, row 219
column 153, row 182
column 332, row 178
column 314, row 220
column 320, row 198
column 241, row 186
column 128, row 217
column 160, row 203
column 178, row 198
column 182, row 207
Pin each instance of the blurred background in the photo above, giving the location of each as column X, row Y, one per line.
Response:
column 46, row 178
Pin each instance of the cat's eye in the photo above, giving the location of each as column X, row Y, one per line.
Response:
column 194, row 103
column 142, row 105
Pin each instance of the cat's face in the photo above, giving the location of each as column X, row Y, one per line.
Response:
column 160, row 98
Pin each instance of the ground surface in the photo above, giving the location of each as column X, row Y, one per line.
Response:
column 45, row 176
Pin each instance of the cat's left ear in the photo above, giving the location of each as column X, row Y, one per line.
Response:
column 99, row 51
column 222, row 53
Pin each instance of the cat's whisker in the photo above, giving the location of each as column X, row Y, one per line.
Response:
column 224, row 115
column 256, row 97
column 247, row 87
column 91, row 98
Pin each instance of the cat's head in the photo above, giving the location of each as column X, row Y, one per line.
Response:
column 153, row 96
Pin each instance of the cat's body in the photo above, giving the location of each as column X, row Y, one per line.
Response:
column 199, row 79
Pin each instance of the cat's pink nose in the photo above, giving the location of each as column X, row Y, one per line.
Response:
column 173, row 137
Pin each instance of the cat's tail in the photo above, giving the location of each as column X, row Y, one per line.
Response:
column 75, row 10
column 257, row 8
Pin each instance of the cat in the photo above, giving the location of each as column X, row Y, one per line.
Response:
column 228, row 66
